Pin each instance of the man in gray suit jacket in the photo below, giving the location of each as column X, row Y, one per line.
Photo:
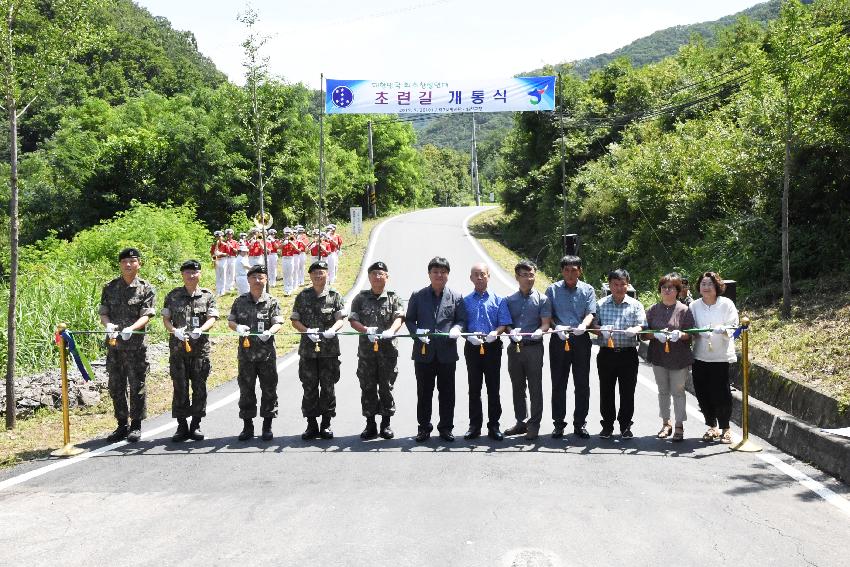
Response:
column 435, row 309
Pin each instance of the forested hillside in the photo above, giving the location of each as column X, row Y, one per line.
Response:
column 679, row 164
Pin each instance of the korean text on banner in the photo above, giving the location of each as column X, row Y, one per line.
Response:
column 518, row 94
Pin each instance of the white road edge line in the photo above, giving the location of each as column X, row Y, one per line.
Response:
column 227, row 400
column 803, row 479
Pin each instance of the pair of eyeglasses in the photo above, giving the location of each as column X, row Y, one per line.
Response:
column 668, row 288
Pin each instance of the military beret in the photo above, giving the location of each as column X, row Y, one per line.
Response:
column 258, row 269
column 378, row 266
column 193, row 265
column 319, row 265
column 129, row 253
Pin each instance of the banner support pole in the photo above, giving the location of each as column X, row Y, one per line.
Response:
column 67, row 450
column 745, row 446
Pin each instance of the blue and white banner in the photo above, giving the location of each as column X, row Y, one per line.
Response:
column 439, row 97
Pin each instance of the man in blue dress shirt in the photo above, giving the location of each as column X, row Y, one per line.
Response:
column 488, row 317
column 435, row 309
column 573, row 308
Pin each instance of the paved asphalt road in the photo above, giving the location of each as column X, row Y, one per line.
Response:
column 347, row 502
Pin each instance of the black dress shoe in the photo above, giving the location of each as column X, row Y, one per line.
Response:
column 326, row 433
column 422, row 436
column 472, row 433
column 447, row 435
column 558, row 432
column 518, row 429
column 387, row 432
column 195, row 434
column 581, row 432
column 494, row 434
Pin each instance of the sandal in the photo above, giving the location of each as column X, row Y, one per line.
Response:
column 665, row 432
column 711, row 435
column 679, row 435
column 726, row 437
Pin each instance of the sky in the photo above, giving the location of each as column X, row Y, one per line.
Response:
column 425, row 39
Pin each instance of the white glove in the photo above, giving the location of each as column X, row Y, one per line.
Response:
column 422, row 335
column 388, row 334
column 537, row 334
column 474, row 340
column 454, row 333
column 112, row 330
column 313, row 334
column 562, row 331
column 371, row 334
column 675, row 336
column 126, row 333
column 329, row 334
column 243, row 330
column 719, row 330
column 515, row 335
column 580, row 329
column 492, row 337
column 660, row 337
column 180, row 333
column 605, row 331
column 265, row 335
column 630, row 333
column 195, row 334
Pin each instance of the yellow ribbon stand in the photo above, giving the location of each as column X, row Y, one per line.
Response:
column 68, row 450
column 745, row 446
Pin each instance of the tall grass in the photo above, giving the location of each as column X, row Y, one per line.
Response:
column 61, row 281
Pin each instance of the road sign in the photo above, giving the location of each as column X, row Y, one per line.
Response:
column 356, row 220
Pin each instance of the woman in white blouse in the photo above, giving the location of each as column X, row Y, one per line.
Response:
column 713, row 352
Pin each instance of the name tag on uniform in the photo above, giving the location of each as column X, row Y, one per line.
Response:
column 261, row 326
column 261, row 315
column 195, row 322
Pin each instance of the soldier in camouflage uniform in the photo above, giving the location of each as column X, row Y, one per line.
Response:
column 379, row 314
column 188, row 312
column 256, row 317
column 127, row 303
column 319, row 312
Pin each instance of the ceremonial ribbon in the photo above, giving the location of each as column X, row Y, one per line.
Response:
column 79, row 359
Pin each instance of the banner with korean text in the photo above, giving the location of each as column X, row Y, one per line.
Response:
column 439, row 97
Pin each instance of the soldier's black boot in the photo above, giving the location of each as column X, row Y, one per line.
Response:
column 312, row 430
column 267, row 429
column 195, row 433
column 120, row 432
column 135, row 432
column 386, row 432
column 247, row 430
column 182, row 432
column 325, row 428
column 371, row 430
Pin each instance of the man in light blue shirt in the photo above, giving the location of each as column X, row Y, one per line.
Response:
column 487, row 316
column 573, row 309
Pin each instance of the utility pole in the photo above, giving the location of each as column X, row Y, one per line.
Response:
column 372, row 198
column 563, row 156
column 476, row 190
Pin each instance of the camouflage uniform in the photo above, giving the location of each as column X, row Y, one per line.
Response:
column 318, row 369
column 377, row 371
column 191, row 312
column 260, row 359
column 126, row 362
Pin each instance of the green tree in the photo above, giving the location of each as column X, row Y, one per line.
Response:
column 39, row 39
